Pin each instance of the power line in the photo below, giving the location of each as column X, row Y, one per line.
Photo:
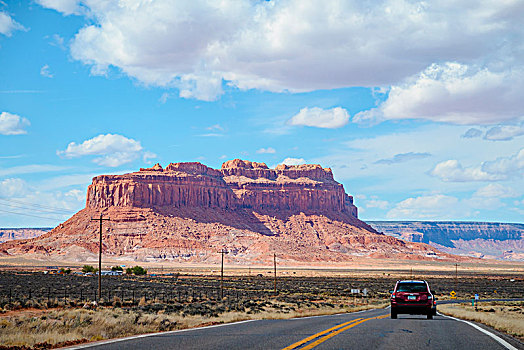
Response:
column 35, row 205
column 36, row 216
column 34, row 209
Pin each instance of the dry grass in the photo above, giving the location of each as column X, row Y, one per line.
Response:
column 58, row 326
column 507, row 317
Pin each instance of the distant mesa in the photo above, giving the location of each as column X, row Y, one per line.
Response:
column 188, row 211
column 490, row 240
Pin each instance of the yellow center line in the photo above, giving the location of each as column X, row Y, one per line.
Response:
column 303, row 341
column 336, row 330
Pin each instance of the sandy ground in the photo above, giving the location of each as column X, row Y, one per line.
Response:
column 360, row 267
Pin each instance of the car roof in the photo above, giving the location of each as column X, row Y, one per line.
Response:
column 411, row 281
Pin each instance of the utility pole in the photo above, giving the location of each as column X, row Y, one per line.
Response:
column 100, row 256
column 223, row 251
column 275, row 267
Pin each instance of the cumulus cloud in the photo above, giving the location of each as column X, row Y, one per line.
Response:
column 269, row 150
column 114, row 150
column 13, row 187
column 502, row 168
column 403, row 157
column 12, row 124
column 25, row 198
column 504, row 132
column 454, row 93
column 67, row 7
column 293, row 161
column 472, row 133
column 431, row 207
column 452, row 170
column 198, row 45
column 321, row 118
column 8, row 25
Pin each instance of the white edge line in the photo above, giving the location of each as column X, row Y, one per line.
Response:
column 497, row 338
column 110, row 341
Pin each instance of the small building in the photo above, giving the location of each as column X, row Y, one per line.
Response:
column 111, row 273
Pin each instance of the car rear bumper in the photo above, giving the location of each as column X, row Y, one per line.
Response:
column 413, row 309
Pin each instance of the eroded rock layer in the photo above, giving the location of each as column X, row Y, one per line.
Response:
column 188, row 212
column 238, row 184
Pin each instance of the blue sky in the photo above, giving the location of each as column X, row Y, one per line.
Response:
column 417, row 107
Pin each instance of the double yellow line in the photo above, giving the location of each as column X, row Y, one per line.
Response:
column 328, row 333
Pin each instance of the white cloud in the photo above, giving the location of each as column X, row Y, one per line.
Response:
column 502, row 168
column 472, row 133
column 496, row 191
column 452, row 170
column 148, row 156
column 431, row 207
column 269, row 150
column 403, row 157
column 454, row 93
column 321, row 118
column 211, row 134
column 13, row 187
column 24, row 208
column 12, row 124
column 293, row 161
column 114, row 149
column 67, row 7
column 377, row 203
column 507, row 166
column 215, row 127
column 76, row 195
column 45, row 71
column 8, row 25
column 504, row 132
column 292, row 45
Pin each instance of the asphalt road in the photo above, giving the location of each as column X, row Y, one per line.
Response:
column 371, row 329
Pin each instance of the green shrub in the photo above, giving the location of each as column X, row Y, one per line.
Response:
column 88, row 268
column 139, row 270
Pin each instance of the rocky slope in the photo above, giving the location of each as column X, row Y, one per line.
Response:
column 503, row 241
column 188, row 212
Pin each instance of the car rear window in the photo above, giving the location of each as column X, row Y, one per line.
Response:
column 411, row 287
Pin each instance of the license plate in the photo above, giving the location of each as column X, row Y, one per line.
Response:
column 412, row 297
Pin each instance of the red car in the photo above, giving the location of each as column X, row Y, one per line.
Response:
column 414, row 298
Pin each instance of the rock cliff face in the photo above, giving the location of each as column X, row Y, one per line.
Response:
column 188, row 212
column 503, row 241
column 238, row 184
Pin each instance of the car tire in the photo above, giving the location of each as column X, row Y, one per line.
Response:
column 393, row 314
column 430, row 315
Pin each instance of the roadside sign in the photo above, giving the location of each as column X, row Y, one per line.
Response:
column 355, row 291
column 476, row 297
column 365, row 292
column 453, row 294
